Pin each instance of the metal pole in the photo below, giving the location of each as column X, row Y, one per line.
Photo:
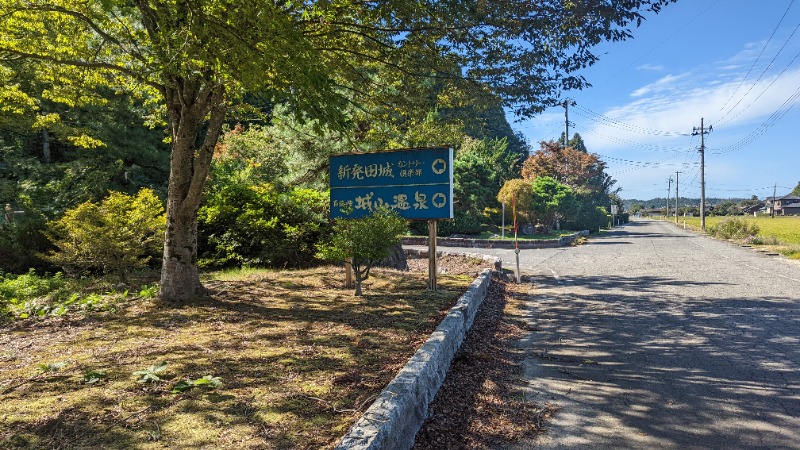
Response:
column 503, row 220
column 677, row 174
column 516, row 243
column 432, row 255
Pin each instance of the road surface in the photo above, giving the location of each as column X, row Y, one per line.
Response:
column 654, row 337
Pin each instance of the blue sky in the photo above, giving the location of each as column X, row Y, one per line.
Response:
column 735, row 63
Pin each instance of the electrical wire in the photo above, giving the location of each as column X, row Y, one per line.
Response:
column 605, row 120
column 759, row 55
column 720, row 120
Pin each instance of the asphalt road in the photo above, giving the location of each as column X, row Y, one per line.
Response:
column 654, row 337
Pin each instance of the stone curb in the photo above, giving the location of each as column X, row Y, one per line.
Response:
column 395, row 417
column 495, row 243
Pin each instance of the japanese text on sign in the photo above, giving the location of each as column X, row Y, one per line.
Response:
column 415, row 183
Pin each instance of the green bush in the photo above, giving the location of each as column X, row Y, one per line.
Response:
column 22, row 244
column 463, row 223
column 588, row 218
column 258, row 225
column 366, row 241
column 118, row 235
column 734, row 228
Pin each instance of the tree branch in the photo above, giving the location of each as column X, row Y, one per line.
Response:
column 78, row 63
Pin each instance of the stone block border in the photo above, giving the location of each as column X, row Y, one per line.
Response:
column 395, row 417
column 496, row 243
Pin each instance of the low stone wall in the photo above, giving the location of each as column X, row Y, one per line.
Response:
column 496, row 243
column 396, row 416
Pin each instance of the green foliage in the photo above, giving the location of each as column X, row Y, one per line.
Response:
column 542, row 200
column 30, row 295
column 150, row 374
column 207, row 382
column 734, row 228
column 552, row 201
column 366, row 241
column 51, row 367
column 94, row 376
column 241, row 223
column 118, row 235
column 480, row 169
column 588, row 217
column 462, row 223
column 796, row 190
column 22, row 242
column 148, row 291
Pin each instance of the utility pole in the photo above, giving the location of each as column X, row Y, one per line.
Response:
column 676, row 197
column 702, row 132
column 669, row 188
column 567, row 103
column 774, row 193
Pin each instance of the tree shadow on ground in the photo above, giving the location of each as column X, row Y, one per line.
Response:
column 665, row 369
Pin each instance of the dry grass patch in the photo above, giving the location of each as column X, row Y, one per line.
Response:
column 299, row 358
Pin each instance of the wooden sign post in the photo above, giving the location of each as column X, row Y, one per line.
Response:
column 432, row 270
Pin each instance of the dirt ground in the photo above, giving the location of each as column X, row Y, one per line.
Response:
column 479, row 405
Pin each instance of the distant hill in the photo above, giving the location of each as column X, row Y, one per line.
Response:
column 659, row 202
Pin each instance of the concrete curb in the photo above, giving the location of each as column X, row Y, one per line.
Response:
column 494, row 243
column 392, row 421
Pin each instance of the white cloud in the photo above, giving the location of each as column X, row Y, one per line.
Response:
column 651, row 67
column 676, row 103
column 664, row 84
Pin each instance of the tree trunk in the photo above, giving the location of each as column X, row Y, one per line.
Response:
column 46, row 146
column 188, row 104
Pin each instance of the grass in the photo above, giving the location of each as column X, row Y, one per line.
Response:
column 781, row 233
column 299, row 358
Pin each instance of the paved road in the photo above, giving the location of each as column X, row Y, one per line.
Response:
column 653, row 337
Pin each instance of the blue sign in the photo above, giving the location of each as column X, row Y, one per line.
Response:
column 418, row 183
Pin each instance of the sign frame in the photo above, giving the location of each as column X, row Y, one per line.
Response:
column 417, row 183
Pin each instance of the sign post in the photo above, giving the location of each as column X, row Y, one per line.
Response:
column 416, row 183
column 432, row 269
column 503, row 220
column 516, row 243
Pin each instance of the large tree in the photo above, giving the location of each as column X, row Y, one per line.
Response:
column 196, row 57
column 584, row 172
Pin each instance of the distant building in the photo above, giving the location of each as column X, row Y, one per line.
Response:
column 783, row 206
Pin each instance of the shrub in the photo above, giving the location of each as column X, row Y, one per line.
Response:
column 22, row 243
column 588, row 218
column 463, row 223
column 258, row 225
column 366, row 241
column 734, row 228
column 120, row 234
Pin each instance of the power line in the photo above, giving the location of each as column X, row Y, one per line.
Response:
column 605, row 120
column 759, row 55
column 760, row 76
